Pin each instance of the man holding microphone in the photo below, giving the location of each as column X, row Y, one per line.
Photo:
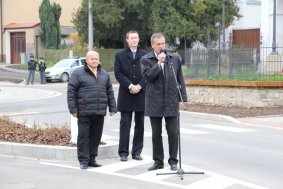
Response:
column 162, row 98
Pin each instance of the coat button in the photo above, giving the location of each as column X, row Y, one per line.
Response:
column 134, row 65
column 134, row 76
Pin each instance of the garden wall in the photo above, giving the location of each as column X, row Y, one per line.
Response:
column 240, row 94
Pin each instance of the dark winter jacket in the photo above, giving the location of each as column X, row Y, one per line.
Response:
column 128, row 71
column 162, row 96
column 32, row 64
column 42, row 66
column 88, row 95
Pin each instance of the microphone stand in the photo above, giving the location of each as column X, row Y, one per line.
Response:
column 180, row 171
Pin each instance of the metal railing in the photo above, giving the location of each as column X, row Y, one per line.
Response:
column 234, row 63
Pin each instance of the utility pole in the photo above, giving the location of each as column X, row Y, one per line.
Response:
column 274, row 27
column 223, row 24
column 90, row 26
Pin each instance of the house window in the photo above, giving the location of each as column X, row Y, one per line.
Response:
column 254, row 1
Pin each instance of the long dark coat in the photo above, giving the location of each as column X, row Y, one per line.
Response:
column 162, row 96
column 128, row 71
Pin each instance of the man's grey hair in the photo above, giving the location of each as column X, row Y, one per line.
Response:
column 156, row 35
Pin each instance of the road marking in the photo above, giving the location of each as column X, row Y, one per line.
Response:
column 146, row 133
column 109, row 137
column 60, row 165
column 112, row 168
column 193, row 132
column 12, row 94
column 219, row 181
column 18, row 113
column 185, row 131
column 209, row 180
column 223, row 128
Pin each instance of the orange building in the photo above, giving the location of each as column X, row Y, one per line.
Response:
column 20, row 24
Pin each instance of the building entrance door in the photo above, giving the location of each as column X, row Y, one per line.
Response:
column 18, row 46
column 247, row 38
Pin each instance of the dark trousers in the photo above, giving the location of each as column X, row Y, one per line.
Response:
column 42, row 77
column 125, row 128
column 171, row 124
column 89, row 135
column 30, row 77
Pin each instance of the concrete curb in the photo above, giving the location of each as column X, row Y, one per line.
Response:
column 5, row 67
column 12, row 80
column 46, row 152
column 212, row 117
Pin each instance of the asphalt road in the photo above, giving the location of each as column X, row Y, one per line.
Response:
column 232, row 156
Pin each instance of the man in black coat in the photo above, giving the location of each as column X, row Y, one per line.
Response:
column 127, row 71
column 162, row 98
column 31, row 70
column 89, row 93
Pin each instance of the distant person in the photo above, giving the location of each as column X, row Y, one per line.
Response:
column 31, row 70
column 162, row 98
column 89, row 93
column 42, row 67
column 127, row 71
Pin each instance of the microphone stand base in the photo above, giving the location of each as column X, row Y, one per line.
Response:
column 180, row 172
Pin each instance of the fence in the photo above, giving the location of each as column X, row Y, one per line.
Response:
column 234, row 63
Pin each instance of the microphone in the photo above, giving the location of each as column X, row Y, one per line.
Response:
column 165, row 52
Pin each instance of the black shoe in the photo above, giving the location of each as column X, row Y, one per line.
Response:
column 83, row 166
column 174, row 167
column 156, row 166
column 102, row 143
column 94, row 164
column 124, row 158
column 137, row 157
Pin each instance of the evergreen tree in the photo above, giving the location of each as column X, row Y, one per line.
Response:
column 49, row 23
column 190, row 20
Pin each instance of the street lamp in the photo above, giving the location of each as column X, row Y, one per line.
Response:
column 223, row 24
column 90, row 26
column 274, row 27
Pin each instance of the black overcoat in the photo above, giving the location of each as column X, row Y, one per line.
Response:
column 162, row 96
column 128, row 71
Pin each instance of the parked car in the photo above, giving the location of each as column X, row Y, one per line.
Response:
column 62, row 70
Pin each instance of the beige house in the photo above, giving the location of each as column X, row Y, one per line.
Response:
column 20, row 23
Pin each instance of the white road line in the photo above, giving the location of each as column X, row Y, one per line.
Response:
column 109, row 137
column 219, row 181
column 109, row 172
column 18, row 113
column 12, row 94
column 152, row 174
column 223, row 128
column 151, row 180
column 111, row 168
column 185, row 131
column 211, row 179
column 146, row 133
column 193, row 132
column 60, row 165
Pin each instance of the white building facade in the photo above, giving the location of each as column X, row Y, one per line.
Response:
column 258, row 14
